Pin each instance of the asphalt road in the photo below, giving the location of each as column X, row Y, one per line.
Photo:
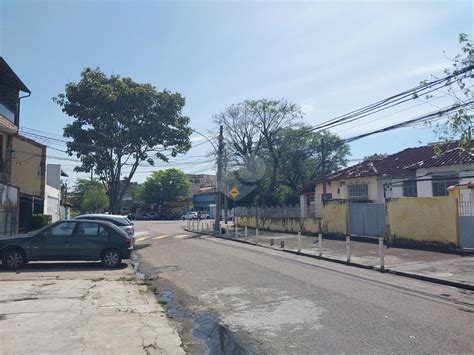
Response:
column 274, row 302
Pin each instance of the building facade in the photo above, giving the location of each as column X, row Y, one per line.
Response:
column 22, row 160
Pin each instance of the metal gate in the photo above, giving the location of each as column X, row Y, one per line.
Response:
column 466, row 219
column 367, row 219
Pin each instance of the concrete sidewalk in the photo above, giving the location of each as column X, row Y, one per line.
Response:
column 81, row 308
column 440, row 266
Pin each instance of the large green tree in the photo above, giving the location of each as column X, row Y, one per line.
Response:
column 165, row 186
column 118, row 124
column 272, row 154
column 302, row 159
column 252, row 130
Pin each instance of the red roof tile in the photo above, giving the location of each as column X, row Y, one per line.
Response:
column 406, row 162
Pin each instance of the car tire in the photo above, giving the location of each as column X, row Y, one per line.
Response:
column 14, row 259
column 111, row 258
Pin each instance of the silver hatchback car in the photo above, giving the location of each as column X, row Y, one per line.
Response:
column 120, row 221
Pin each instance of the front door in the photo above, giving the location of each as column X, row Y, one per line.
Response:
column 54, row 242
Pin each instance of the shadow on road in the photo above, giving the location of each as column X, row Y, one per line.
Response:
column 62, row 266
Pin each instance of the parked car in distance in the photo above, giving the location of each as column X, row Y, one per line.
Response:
column 120, row 221
column 68, row 240
column 204, row 215
column 189, row 216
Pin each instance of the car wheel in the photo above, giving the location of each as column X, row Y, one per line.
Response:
column 14, row 259
column 111, row 258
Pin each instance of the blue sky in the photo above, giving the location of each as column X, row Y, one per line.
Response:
column 329, row 57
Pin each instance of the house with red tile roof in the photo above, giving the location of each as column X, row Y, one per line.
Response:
column 414, row 172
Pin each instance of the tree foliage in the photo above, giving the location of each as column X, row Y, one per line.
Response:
column 80, row 189
column 95, row 200
column 301, row 159
column 269, row 148
column 118, row 124
column 460, row 124
column 165, row 186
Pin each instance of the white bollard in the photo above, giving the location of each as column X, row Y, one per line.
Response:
column 207, row 227
column 348, row 248
column 320, row 244
column 236, row 231
column 202, row 227
column 192, row 225
column 245, row 232
column 256, row 236
column 382, row 255
column 299, row 242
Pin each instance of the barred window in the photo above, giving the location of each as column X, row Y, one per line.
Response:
column 410, row 189
column 358, row 192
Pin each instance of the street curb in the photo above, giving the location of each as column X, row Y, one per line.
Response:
column 362, row 266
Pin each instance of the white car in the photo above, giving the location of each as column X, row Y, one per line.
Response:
column 120, row 221
column 189, row 216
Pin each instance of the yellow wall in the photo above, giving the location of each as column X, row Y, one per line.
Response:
column 339, row 190
column 335, row 217
column 28, row 170
column 429, row 219
column 334, row 220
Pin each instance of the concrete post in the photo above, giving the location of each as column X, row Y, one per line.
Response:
column 192, row 225
column 256, row 236
column 207, row 227
column 272, row 242
column 381, row 255
column 320, row 237
column 348, row 248
column 245, row 232
column 282, row 244
column 236, row 231
column 299, row 242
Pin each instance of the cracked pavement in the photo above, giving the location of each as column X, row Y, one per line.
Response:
column 81, row 308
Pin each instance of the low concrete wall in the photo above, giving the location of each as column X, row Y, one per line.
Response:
column 309, row 225
column 423, row 219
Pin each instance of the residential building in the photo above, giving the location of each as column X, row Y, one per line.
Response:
column 203, row 191
column 54, row 189
column 413, row 172
column 22, row 160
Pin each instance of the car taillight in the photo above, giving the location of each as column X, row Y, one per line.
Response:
column 129, row 241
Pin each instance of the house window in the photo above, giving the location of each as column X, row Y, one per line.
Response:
column 409, row 188
column 358, row 192
column 441, row 183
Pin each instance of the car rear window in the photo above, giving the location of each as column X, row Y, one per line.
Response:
column 118, row 221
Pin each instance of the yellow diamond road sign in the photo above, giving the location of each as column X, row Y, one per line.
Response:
column 234, row 192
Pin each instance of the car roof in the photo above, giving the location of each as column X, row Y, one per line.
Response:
column 114, row 217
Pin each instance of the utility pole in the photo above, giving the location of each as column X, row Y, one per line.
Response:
column 323, row 166
column 226, row 207
column 220, row 151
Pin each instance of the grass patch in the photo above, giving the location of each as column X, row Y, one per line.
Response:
column 163, row 302
column 98, row 279
column 150, row 285
column 126, row 279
